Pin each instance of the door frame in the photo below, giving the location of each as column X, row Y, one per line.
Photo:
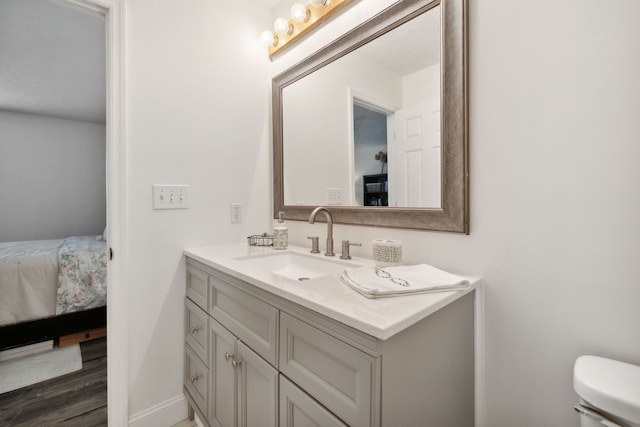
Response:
column 356, row 96
column 117, row 307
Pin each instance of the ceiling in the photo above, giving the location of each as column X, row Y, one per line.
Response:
column 52, row 56
column 52, row 60
column 420, row 42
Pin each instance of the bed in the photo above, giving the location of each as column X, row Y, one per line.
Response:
column 51, row 287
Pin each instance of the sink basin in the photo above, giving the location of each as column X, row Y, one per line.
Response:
column 296, row 266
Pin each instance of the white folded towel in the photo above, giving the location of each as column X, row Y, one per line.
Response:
column 403, row 280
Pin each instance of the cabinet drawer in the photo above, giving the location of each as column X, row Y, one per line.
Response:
column 336, row 374
column 196, row 379
column 298, row 409
column 197, row 286
column 197, row 330
column 253, row 321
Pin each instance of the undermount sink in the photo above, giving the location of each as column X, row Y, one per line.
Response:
column 296, row 266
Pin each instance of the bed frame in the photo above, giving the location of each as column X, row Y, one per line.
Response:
column 52, row 328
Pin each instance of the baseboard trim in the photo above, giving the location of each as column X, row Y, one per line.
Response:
column 167, row 413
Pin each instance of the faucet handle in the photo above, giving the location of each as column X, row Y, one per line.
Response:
column 345, row 249
column 315, row 247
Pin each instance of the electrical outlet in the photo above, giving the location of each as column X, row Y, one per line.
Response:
column 334, row 196
column 170, row 196
column 236, row 212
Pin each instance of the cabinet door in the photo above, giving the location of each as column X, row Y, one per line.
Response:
column 298, row 409
column 222, row 402
column 336, row 374
column 257, row 391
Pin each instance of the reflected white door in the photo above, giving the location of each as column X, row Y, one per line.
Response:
column 414, row 156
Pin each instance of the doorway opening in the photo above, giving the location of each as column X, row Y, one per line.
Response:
column 109, row 12
column 370, row 153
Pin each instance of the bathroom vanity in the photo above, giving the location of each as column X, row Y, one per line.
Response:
column 273, row 338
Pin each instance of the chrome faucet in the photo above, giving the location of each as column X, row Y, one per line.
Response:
column 312, row 219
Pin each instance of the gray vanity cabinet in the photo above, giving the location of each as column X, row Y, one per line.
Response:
column 243, row 385
column 298, row 409
column 338, row 375
column 196, row 369
column 222, row 404
column 196, row 378
column 253, row 321
column 268, row 362
column 257, row 390
column 229, row 383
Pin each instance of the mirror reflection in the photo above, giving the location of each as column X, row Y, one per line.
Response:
column 365, row 129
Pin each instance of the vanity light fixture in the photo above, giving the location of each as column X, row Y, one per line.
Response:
column 303, row 19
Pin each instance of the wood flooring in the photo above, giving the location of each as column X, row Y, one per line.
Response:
column 76, row 399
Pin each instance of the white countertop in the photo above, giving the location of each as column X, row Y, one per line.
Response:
column 381, row 318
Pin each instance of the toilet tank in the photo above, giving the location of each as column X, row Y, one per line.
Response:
column 609, row 389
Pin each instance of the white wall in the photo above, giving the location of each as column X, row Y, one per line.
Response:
column 555, row 185
column 322, row 134
column 53, row 177
column 554, row 182
column 197, row 114
column 414, row 89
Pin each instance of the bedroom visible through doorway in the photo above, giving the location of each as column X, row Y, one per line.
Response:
column 53, row 119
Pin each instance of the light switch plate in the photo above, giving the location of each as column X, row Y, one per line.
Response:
column 170, row 196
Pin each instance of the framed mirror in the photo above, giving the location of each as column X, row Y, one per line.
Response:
column 374, row 125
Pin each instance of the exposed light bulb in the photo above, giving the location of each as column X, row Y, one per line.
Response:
column 305, row 15
column 268, row 38
column 319, row 3
column 282, row 26
column 299, row 13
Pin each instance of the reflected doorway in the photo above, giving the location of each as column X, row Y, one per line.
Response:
column 370, row 154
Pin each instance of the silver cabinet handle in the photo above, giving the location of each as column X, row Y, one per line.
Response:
column 234, row 362
column 194, row 378
column 195, row 330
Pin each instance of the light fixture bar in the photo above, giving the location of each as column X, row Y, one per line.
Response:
column 317, row 15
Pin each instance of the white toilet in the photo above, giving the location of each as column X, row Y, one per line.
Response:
column 609, row 392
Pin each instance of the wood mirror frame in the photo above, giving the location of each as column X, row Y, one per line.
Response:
column 453, row 215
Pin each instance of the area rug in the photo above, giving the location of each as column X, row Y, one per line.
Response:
column 34, row 368
column 25, row 350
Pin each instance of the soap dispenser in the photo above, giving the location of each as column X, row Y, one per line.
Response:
column 280, row 234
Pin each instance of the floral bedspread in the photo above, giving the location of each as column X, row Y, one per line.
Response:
column 82, row 277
